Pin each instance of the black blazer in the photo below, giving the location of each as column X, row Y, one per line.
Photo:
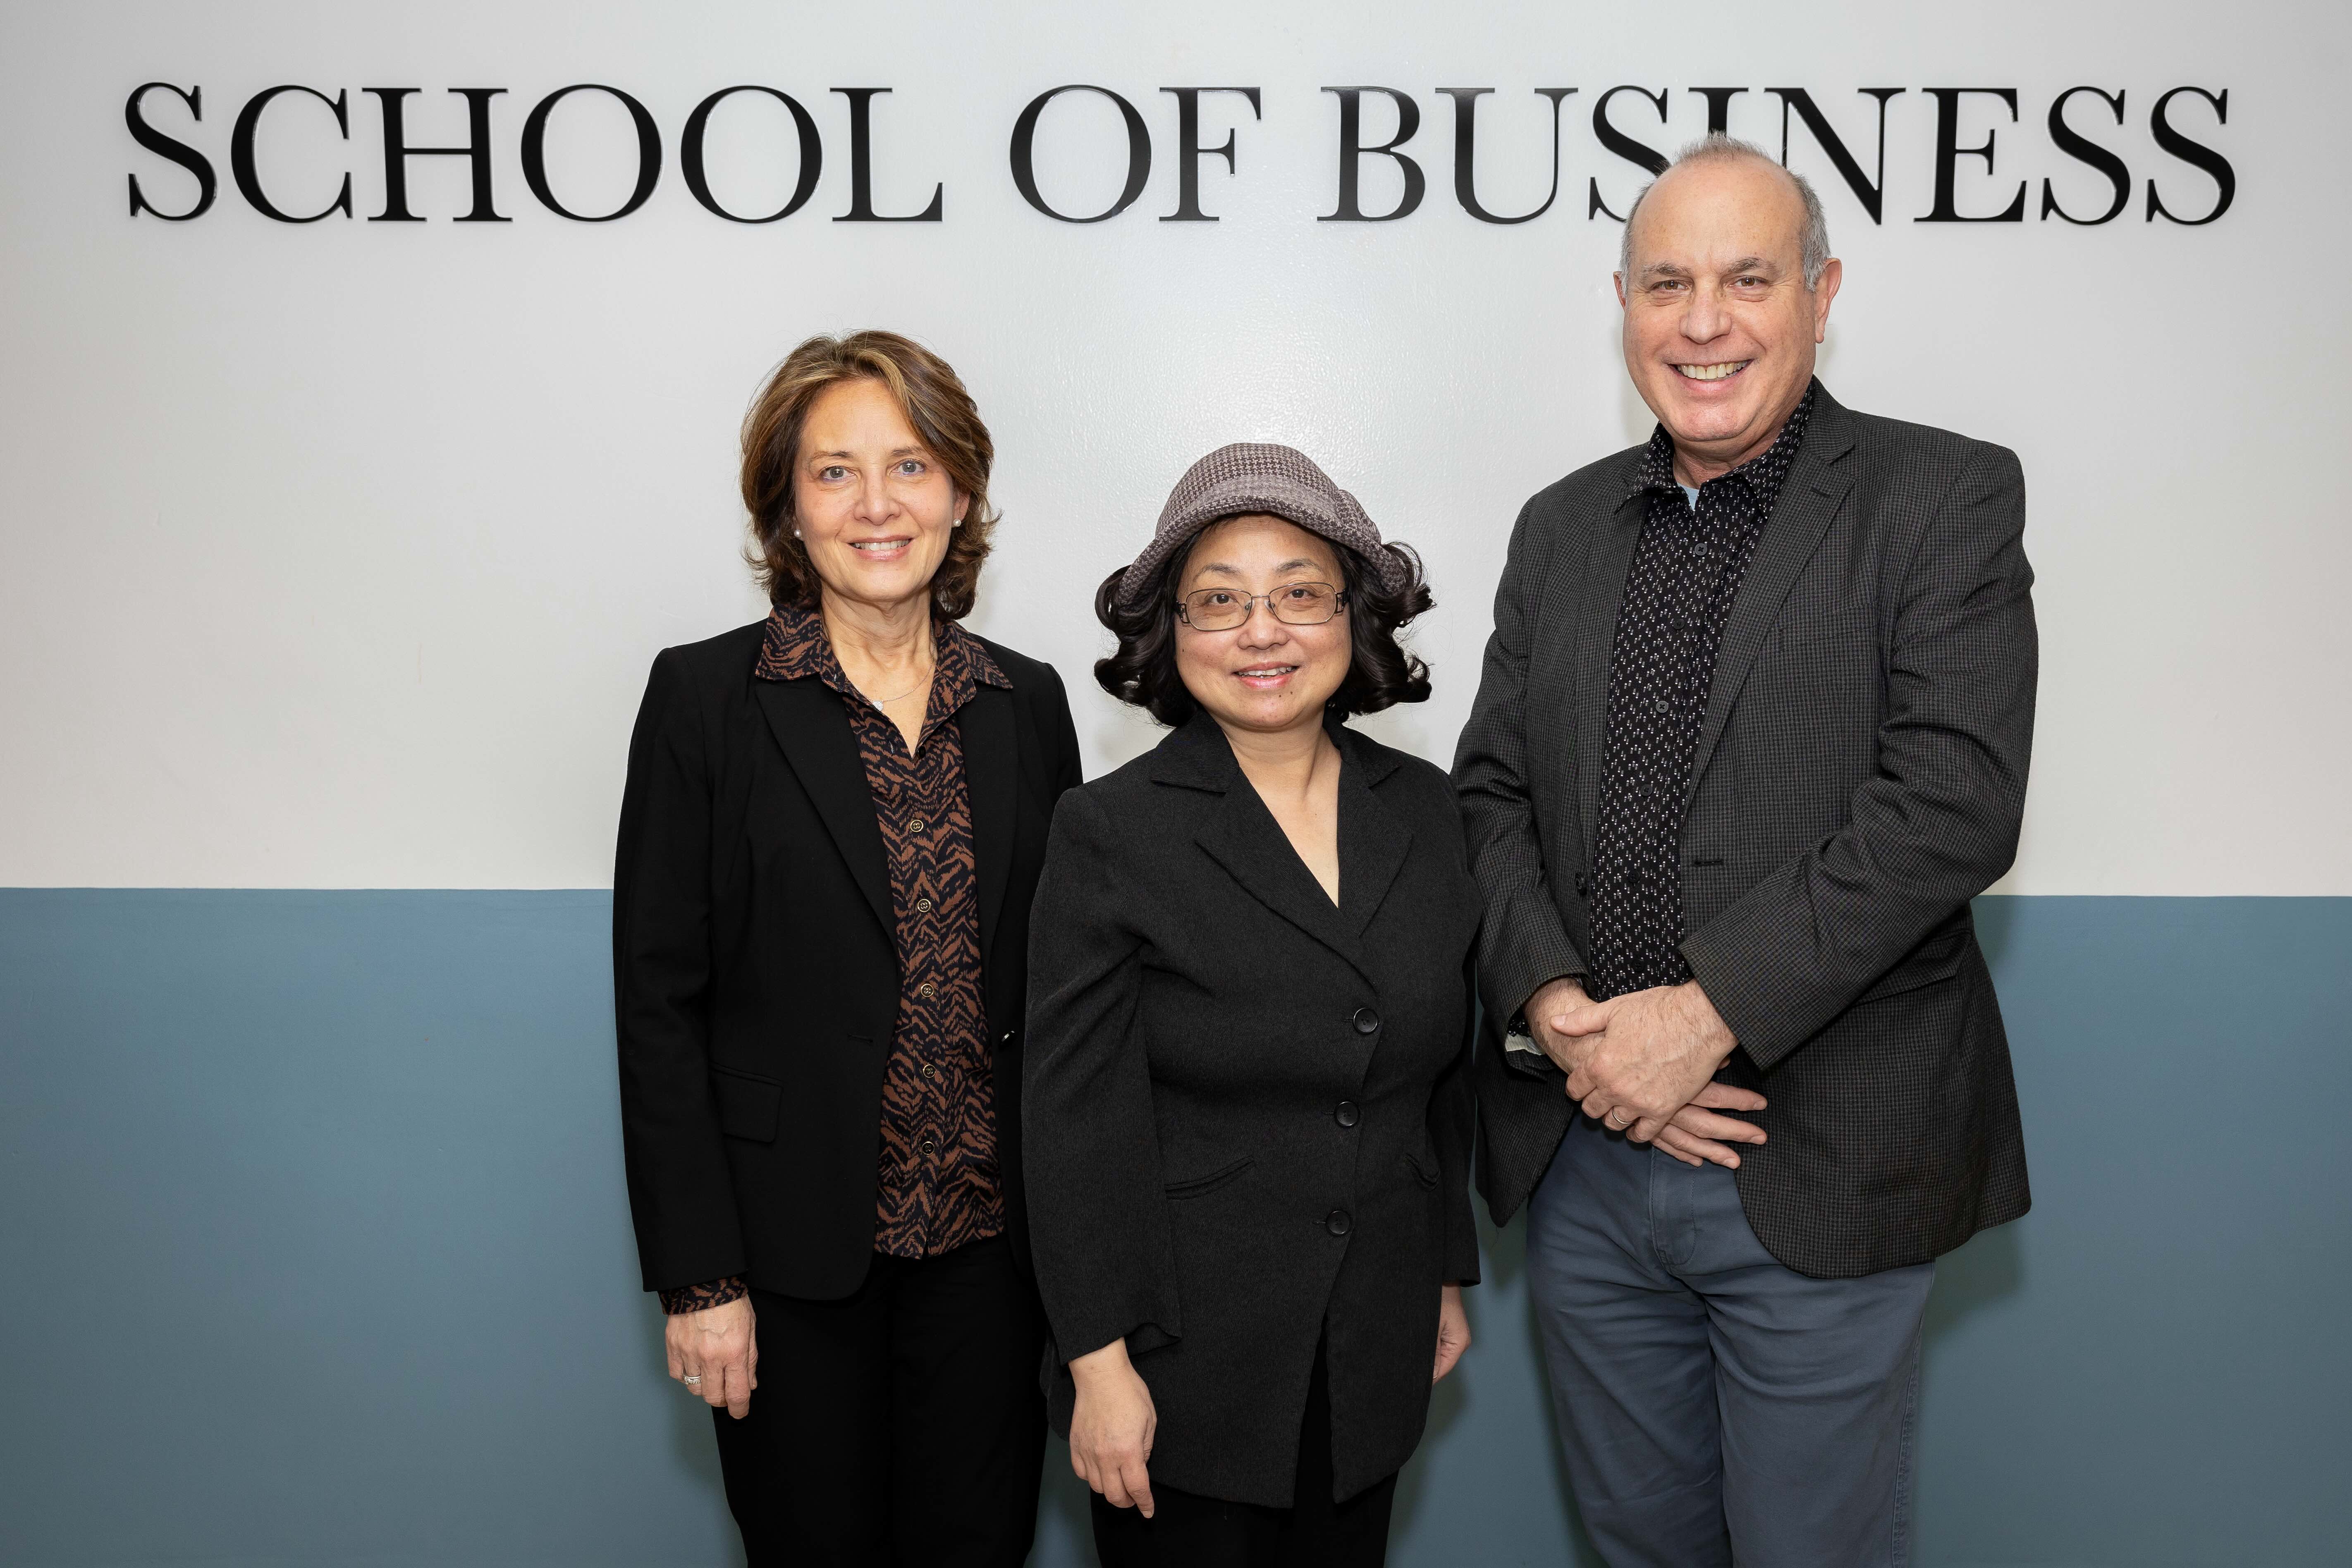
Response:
column 1249, row 1111
column 1860, row 776
column 755, row 970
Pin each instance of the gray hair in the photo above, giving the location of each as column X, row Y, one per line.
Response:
column 1715, row 147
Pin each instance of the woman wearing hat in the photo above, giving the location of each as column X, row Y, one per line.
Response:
column 1246, row 1110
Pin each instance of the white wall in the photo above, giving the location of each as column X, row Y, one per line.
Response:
column 334, row 555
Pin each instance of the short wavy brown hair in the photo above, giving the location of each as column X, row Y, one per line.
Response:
column 933, row 398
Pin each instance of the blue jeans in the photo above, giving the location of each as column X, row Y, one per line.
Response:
column 1716, row 1405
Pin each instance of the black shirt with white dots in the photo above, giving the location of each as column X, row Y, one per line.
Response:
column 1686, row 573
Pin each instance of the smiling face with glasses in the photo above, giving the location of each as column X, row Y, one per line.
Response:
column 1263, row 639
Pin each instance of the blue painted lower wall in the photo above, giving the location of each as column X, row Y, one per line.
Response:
column 317, row 1252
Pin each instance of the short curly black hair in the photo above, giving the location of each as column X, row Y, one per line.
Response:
column 1381, row 673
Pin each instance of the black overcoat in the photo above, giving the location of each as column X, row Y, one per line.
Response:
column 755, row 966
column 1860, row 776
column 1248, row 1111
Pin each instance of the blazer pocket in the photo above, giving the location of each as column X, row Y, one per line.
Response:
column 1201, row 1186
column 1812, row 631
column 1422, row 1166
column 748, row 1106
column 1936, row 959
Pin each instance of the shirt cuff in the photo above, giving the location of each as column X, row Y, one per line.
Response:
column 703, row 1297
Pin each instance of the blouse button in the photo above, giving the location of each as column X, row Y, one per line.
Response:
column 930, row 1072
column 927, row 990
column 922, row 906
column 916, row 825
column 927, row 1147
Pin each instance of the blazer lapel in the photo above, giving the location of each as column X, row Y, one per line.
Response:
column 1374, row 842
column 1609, row 560
column 1817, row 486
column 991, row 772
column 1242, row 836
column 811, row 729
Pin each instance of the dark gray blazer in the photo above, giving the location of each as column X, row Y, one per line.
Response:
column 1248, row 1113
column 1858, row 778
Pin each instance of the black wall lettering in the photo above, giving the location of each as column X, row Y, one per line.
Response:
column 1352, row 151
column 535, row 153
column 1718, row 110
column 1872, row 192
column 1624, row 146
column 1466, row 139
column 861, row 165
column 397, row 153
column 249, row 177
column 2225, row 178
column 1189, row 151
column 178, row 151
column 1024, row 147
column 698, row 180
column 1948, row 152
column 2077, row 146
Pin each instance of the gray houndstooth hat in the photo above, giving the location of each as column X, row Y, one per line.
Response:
column 1260, row 476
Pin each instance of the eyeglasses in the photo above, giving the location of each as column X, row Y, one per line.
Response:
column 1293, row 604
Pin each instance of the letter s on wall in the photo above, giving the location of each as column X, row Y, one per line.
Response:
column 178, row 151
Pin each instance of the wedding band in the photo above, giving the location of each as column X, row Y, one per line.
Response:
column 1612, row 1117
column 692, row 1381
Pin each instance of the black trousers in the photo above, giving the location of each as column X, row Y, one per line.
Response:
column 1189, row 1530
column 901, row 1427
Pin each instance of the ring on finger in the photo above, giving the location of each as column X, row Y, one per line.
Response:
column 691, row 1379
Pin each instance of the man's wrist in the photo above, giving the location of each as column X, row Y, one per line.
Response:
column 1712, row 1028
column 1518, row 1028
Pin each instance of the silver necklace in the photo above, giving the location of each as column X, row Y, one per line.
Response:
column 886, row 701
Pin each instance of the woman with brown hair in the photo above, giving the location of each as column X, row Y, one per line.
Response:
column 834, row 824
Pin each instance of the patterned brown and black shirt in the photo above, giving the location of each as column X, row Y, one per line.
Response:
column 941, row 1186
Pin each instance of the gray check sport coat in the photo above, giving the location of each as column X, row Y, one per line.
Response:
column 1859, row 777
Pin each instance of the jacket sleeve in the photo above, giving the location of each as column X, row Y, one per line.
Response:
column 680, row 1193
column 1524, row 944
column 1071, row 773
column 1453, row 1129
column 1939, row 822
column 1098, row 1215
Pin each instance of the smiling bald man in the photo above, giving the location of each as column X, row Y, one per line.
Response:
column 1752, row 731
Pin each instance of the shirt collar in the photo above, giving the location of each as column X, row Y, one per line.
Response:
column 794, row 647
column 1762, row 473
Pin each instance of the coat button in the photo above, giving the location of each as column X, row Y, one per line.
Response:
column 1347, row 1114
column 1335, row 1222
column 1007, row 1037
column 1366, row 1021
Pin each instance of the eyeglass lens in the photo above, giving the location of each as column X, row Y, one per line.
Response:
column 1297, row 604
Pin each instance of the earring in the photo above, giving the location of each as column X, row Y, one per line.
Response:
column 796, row 533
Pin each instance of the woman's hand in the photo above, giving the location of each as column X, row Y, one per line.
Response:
column 716, row 1355
column 1452, row 1331
column 1112, row 1427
